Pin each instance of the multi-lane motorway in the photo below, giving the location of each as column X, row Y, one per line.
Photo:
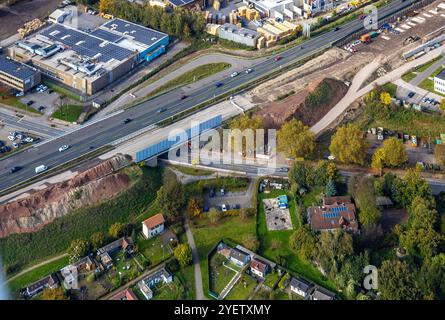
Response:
column 91, row 137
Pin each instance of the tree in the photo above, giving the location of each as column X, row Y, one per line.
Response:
column 194, row 207
column 385, row 98
column 214, row 216
column 295, row 139
column 54, row 294
column 106, row 5
column 169, row 206
column 348, row 145
column 364, row 194
column 433, row 276
column 301, row 175
column 116, row 230
column 420, row 237
column 330, row 189
column 439, row 154
column 97, row 240
column 442, row 105
column 397, row 281
column 304, row 242
column 406, row 189
column 333, row 248
column 78, row 249
column 391, row 154
column 183, row 253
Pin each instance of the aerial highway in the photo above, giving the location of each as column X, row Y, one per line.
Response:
column 91, row 137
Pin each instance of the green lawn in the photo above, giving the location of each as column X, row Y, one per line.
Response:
column 171, row 291
column 14, row 102
column 34, row 275
column 62, row 90
column 187, row 277
column 242, row 289
column 272, row 279
column 428, row 83
column 153, row 249
column 407, row 77
column 69, row 112
column 191, row 76
column 267, row 238
column 192, row 171
column 391, row 88
column 207, row 236
column 220, row 274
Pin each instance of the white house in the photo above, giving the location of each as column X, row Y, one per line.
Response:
column 259, row 268
column 239, row 257
column 153, row 226
column 300, row 287
column 160, row 276
column 439, row 82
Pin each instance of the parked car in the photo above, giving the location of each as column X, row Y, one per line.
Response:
column 41, row 108
column 50, row 91
column 212, row 193
column 30, row 102
column 411, row 94
column 15, row 145
column 283, row 169
column 223, row 207
column 222, row 191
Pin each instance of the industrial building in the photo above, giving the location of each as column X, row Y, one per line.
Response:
column 439, row 82
column 18, row 75
column 88, row 62
column 187, row 4
column 290, row 9
column 240, row 35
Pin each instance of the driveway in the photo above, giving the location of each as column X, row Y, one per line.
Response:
column 243, row 199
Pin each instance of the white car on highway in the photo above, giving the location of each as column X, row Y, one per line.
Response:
column 63, row 148
column 233, row 75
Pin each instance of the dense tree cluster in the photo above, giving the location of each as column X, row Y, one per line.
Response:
column 348, row 145
column 295, row 139
column 181, row 23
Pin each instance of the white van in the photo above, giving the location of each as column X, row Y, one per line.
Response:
column 41, row 168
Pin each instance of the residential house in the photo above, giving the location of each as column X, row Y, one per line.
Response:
column 239, row 257
column 104, row 254
column 153, row 226
column 86, row 265
column 335, row 213
column 322, row 294
column 160, row 276
column 259, row 268
column 125, row 295
column 50, row 282
column 301, row 286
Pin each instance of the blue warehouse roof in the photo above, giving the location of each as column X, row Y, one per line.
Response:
column 139, row 33
column 16, row 69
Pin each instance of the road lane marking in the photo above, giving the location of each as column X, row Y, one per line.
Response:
column 386, row 38
column 427, row 15
column 434, row 12
column 406, row 27
column 400, row 30
column 411, row 24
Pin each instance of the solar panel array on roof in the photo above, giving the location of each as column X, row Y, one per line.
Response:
column 86, row 45
column 139, row 33
column 180, row 3
column 16, row 69
column 339, row 209
column 106, row 35
column 328, row 215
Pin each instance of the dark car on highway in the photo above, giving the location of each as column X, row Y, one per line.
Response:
column 162, row 110
column 128, row 120
column 184, row 96
column 278, row 58
column 15, row 169
column 219, row 84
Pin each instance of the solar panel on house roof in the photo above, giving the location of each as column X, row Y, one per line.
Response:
column 16, row 69
column 180, row 3
column 329, row 215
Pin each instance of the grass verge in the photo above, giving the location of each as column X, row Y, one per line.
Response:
column 69, row 112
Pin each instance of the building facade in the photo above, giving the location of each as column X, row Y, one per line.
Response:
column 439, row 82
column 18, row 75
column 239, row 35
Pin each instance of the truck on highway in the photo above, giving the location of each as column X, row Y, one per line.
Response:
column 41, row 168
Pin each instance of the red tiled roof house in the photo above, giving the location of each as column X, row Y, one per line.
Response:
column 153, row 226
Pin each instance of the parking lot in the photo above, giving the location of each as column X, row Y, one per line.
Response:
column 231, row 200
column 12, row 140
column 48, row 99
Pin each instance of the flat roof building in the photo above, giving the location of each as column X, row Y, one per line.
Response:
column 439, row 82
column 18, row 75
column 240, row 35
column 88, row 62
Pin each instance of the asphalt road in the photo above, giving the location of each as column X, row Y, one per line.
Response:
column 104, row 132
column 25, row 125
